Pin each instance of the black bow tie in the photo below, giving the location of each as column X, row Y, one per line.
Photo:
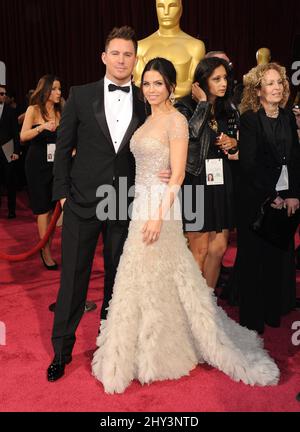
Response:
column 113, row 87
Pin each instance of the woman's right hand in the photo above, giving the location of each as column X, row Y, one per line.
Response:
column 50, row 126
column 151, row 231
column 198, row 94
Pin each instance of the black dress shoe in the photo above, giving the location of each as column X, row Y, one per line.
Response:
column 57, row 369
column 89, row 306
column 226, row 270
column 298, row 397
column 11, row 215
column 48, row 267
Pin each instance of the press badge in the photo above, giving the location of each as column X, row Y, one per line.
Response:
column 51, row 152
column 214, row 172
column 283, row 182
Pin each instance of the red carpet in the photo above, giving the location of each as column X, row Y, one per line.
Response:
column 27, row 289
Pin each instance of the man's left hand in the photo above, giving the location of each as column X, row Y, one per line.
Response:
column 165, row 176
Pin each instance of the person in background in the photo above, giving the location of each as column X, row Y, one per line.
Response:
column 296, row 111
column 226, row 272
column 9, row 154
column 11, row 101
column 218, row 54
column 39, row 128
column 269, row 169
column 213, row 137
column 24, row 106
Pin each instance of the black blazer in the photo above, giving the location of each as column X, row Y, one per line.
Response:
column 9, row 128
column 83, row 126
column 260, row 161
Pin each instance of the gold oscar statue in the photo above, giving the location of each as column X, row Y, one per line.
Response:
column 170, row 42
column 263, row 56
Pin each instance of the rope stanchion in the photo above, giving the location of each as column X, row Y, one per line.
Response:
column 51, row 228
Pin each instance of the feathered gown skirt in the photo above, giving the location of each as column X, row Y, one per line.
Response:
column 163, row 320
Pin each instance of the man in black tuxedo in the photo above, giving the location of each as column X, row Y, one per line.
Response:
column 9, row 131
column 99, row 120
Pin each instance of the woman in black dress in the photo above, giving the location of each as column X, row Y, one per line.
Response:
column 39, row 127
column 213, row 128
column 269, row 169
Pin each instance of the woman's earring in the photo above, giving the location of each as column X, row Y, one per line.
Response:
column 172, row 98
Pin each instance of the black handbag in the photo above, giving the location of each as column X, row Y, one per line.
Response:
column 275, row 226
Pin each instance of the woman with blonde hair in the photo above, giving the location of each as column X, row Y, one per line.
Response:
column 269, row 172
column 39, row 127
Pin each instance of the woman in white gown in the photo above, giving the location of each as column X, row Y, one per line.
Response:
column 163, row 319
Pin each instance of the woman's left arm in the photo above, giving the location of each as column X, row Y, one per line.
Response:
column 178, row 141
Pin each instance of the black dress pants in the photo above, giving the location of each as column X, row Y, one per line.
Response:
column 8, row 174
column 79, row 241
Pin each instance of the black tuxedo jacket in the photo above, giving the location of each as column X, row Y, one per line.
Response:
column 9, row 128
column 83, row 126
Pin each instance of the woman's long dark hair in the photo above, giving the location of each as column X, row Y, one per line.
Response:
column 167, row 71
column 203, row 71
column 41, row 95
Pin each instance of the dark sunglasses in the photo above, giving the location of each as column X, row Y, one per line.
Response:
column 2, row 93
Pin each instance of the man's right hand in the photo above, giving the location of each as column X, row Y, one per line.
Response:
column 278, row 203
column 62, row 201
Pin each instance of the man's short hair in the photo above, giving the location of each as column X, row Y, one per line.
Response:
column 125, row 32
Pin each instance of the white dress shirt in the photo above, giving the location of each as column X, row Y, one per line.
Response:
column 118, row 112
